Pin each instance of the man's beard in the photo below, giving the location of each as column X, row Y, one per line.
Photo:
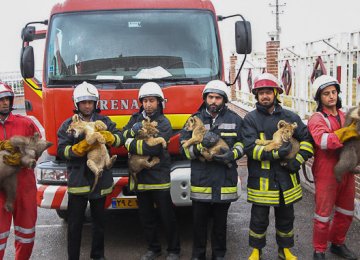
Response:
column 269, row 105
column 212, row 108
column 5, row 112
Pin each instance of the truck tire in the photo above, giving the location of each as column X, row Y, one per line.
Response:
column 62, row 213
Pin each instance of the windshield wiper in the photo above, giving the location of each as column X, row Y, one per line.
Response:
column 178, row 81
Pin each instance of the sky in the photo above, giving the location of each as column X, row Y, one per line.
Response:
column 301, row 21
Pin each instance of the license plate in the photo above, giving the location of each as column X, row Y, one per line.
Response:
column 122, row 203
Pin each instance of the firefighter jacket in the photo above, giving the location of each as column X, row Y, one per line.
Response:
column 158, row 177
column 80, row 177
column 268, row 180
column 213, row 181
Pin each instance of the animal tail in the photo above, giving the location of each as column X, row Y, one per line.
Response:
column 97, row 175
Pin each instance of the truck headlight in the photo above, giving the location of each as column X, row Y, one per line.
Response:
column 50, row 172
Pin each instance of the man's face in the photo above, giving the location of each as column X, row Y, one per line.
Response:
column 214, row 102
column 150, row 104
column 86, row 107
column 329, row 96
column 5, row 105
column 266, row 97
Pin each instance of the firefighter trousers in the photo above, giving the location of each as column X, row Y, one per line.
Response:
column 76, row 215
column 330, row 195
column 154, row 202
column 24, row 217
column 202, row 212
column 284, row 222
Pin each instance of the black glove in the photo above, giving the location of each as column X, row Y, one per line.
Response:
column 226, row 157
column 136, row 128
column 284, row 150
column 210, row 139
column 293, row 165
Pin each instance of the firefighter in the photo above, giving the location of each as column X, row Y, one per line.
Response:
column 214, row 183
column 270, row 182
column 327, row 129
column 80, row 177
column 153, row 189
column 24, row 214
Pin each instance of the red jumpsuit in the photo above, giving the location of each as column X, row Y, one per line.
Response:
column 329, row 194
column 25, row 211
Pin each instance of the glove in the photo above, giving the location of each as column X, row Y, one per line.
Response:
column 210, row 139
column 293, row 165
column 109, row 137
column 13, row 159
column 136, row 128
column 82, row 147
column 346, row 132
column 226, row 157
column 284, row 150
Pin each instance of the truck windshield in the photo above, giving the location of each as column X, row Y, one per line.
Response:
column 132, row 46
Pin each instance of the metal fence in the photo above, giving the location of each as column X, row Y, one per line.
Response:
column 299, row 65
column 13, row 79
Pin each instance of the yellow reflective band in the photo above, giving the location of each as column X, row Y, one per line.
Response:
column 236, row 155
column 187, row 153
column 201, row 189
column 228, row 134
column 275, row 154
column 239, row 144
column 268, row 193
column 125, row 133
column 306, row 146
column 293, row 194
column 154, row 186
column 258, row 236
column 227, row 190
column 265, row 165
column 107, row 191
column 258, row 149
column 35, row 87
column 299, row 158
column 264, row 184
column 83, row 189
column 117, row 142
column 282, row 234
column 67, row 151
column 139, row 147
column 293, row 179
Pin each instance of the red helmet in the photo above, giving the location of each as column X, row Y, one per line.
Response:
column 267, row 80
column 6, row 91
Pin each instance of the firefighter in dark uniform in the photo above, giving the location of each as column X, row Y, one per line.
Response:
column 270, row 182
column 214, row 183
column 80, row 178
column 153, row 185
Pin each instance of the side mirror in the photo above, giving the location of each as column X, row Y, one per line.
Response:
column 28, row 33
column 243, row 40
column 27, row 64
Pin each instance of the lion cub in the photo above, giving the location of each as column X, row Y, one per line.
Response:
column 197, row 127
column 30, row 149
column 136, row 162
column 283, row 134
column 98, row 158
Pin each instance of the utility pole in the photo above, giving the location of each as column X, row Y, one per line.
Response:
column 277, row 12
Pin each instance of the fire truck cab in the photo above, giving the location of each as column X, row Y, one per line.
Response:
column 117, row 46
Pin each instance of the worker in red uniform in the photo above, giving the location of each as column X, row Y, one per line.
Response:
column 326, row 128
column 25, row 210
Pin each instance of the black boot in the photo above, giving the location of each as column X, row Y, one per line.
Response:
column 342, row 251
column 319, row 255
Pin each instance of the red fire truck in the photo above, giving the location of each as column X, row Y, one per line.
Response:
column 117, row 46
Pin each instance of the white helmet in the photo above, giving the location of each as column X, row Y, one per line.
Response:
column 150, row 89
column 217, row 86
column 322, row 82
column 6, row 91
column 85, row 91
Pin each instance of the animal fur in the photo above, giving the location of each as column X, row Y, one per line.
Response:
column 283, row 134
column 30, row 148
column 136, row 162
column 350, row 153
column 196, row 126
column 98, row 158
